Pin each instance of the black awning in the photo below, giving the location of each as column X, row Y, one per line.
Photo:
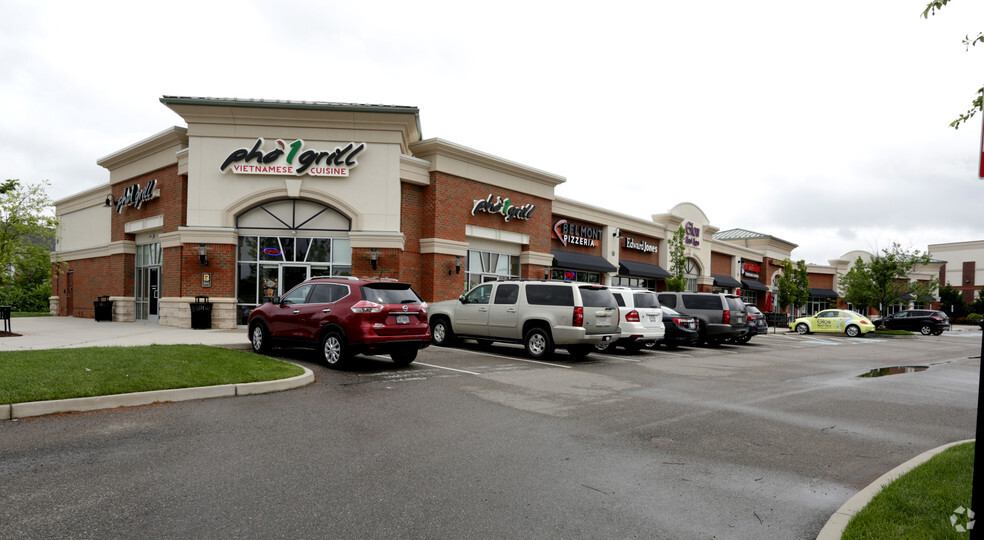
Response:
column 928, row 298
column 581, row 261
column 721, row 280
column 907, row 297
column 632, row 268
column 823, row 293
column 753, row 285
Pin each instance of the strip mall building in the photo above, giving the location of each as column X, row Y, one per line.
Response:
column 253, row 197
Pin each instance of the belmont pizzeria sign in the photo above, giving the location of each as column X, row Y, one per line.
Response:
column 292, row 160
column 571, row 234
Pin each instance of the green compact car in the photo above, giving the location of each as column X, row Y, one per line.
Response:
column 835, row 320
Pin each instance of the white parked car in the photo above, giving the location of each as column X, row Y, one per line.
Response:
column 640, row 319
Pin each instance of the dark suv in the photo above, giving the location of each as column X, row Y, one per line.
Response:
column 924, row 321
column 344, row 317
column 720, row 317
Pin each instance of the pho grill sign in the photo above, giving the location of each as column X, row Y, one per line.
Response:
column 291, row 160
column 504, row 207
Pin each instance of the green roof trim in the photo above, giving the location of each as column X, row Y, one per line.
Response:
column 288, row 104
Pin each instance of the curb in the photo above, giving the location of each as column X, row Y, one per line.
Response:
column 834, row 529
column 85, row 404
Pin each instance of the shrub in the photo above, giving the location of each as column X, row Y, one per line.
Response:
column 975, row 318
column 32, row 300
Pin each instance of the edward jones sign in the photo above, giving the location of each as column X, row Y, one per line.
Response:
column 292, row 160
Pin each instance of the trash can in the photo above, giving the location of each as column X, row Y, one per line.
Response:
column 201, row 313
column 104, row 308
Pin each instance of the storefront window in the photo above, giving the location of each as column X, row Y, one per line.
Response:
column 634, row 282
column 268, row 266
column 690, row 272
column 575, row 275
column 485, row 266
column 816, row 304
column 749, row 297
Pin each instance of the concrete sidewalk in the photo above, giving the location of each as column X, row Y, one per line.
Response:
column 70, row 332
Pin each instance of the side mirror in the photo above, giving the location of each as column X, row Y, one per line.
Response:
column 275, row 300
column 461, row 299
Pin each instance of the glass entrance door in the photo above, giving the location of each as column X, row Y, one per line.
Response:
column 277, row 279
column 148, row 287
column 147, row 282
column 292, row 275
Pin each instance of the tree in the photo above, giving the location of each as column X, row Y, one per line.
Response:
column 27, row 232
column 978, row 103
column 884, row 279
column 678, row 261
column 977, row 306
column 793, row 284
column 951, row 301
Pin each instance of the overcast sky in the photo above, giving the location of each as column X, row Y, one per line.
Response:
column 821, row 123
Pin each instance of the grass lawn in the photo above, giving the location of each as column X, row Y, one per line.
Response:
column 98, row 371
column 919, row 504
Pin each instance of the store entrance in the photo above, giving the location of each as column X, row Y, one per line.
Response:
column 292, row 275
column 147, row 282
column 148, row 285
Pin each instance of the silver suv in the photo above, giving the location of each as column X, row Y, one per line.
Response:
column 720, row 316
column 641, row 319
column 540, row 314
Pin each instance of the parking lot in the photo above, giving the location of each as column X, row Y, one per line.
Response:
column 764, row 440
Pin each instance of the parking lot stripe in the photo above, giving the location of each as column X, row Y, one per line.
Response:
column 447, row 368
column 511, row 358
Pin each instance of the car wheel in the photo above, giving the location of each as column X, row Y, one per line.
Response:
column 403, row 357
column 938, row 333
column 744, row 339
column 441, row 333
column 926, row 330
column 802, row 328
column 538, row 343
column 602, row 347
column 259, row 338
column 633, row 346
column 853, row 331
column 580, row 352
column 333, row 350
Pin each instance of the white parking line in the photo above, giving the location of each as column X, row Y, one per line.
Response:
column 447, row 368
column 512, row 358
column 662, row 352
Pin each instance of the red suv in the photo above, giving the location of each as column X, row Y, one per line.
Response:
column 344, row 317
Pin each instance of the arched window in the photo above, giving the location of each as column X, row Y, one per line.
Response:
column 691, row 271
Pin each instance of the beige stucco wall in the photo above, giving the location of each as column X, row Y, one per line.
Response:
column 370, row 194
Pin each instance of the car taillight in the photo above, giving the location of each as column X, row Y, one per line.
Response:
column 579, row 316
column 632, row 316
column 937, row 318
column 752, row 317
column 681, row 321
column 423, row 308
column 726, row 319
column 365, row 306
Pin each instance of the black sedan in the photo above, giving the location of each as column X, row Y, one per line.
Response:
column 924, row 321
column 756, row 324
column 680, row 329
